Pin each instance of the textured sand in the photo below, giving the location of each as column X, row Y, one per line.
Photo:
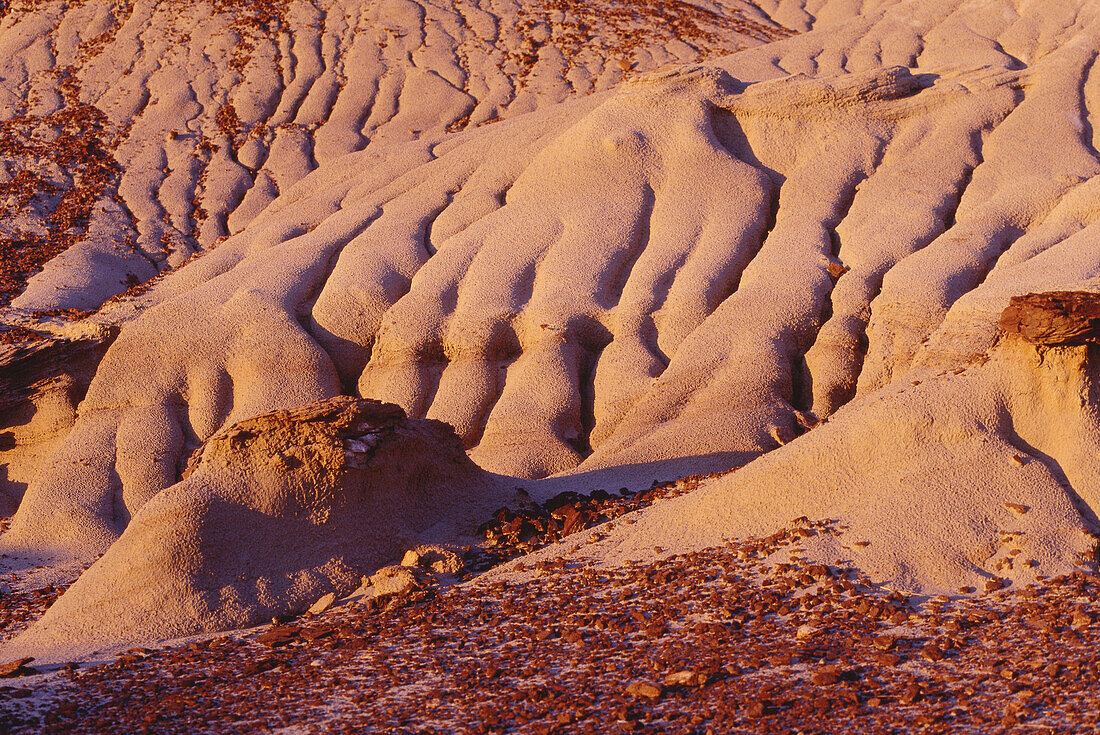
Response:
column 212, row 109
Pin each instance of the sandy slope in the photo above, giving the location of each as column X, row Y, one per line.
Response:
column 211, row 109
column 956, row 480
column 681, row 273
column 135, row 134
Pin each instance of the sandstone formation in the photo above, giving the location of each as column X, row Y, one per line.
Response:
column 693, row 266
column 274, row 513
column 134, row 134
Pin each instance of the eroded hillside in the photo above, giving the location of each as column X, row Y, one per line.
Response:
column 136, row 133
column 792, row 258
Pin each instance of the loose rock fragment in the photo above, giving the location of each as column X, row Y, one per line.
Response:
column 324, row 603
column 886, row 659
column 259, row 666
column 911, row 694
column 759, row 708
column 884, row 642
column 646, row 689
column 685, row 678
column 18, row 667
column 365, row 649
column 279, row 636
column 932, row 652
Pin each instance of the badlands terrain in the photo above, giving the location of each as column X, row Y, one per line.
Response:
column 549, row 365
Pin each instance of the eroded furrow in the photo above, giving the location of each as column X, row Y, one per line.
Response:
column 337, row 80
column 681, row 265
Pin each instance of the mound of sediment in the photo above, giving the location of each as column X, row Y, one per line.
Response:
column 43, row 377
column 278, row 511
column 689, row 267
column 135, row 135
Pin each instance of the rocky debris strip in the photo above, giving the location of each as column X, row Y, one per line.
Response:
column 747, row 637
column 20, row 608
column 513, row 532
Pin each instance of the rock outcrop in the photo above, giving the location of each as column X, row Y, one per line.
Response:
column 975, row 478
column 276, row 512
column 683, row 272
column 1054, row 319
column 793, row 258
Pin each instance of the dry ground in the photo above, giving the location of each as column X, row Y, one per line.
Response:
column 742, row 638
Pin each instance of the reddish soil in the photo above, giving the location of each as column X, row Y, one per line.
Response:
column 625, row 29
column 716, row 641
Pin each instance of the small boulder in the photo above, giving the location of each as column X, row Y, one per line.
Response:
column 646, row 689
column 1081, row 619
column 396, row 581
column 825, row 676
column 324, row 603
column 884, row 642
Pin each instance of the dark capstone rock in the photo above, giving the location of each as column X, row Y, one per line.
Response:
column 1056, row 318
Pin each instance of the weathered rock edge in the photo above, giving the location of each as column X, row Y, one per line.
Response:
column 1055, row 318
